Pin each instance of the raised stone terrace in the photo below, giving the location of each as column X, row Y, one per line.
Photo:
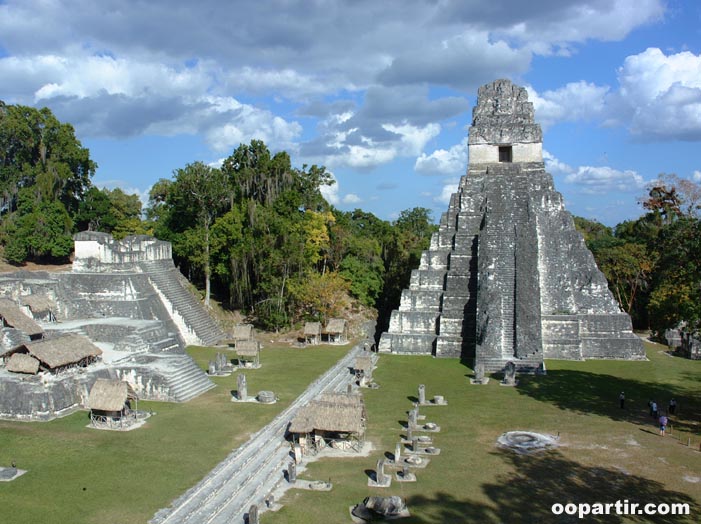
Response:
column 507, row 277
column 130, row 300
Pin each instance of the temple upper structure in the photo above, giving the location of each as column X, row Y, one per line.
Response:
column 507, row 277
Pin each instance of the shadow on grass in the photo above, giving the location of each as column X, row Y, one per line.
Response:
column 598, row 394
column 544, row 479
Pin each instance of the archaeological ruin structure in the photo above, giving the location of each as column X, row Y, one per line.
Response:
column 123, row 312
column 507, row 277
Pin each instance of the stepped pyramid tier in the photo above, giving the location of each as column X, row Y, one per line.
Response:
column 507, row 277
column 131, row 301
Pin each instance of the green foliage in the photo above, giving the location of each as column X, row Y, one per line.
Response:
column 38, row 230
column 44, row 175
column 36, row 150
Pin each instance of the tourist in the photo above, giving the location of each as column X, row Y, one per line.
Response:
column 663, row 424
column 672, row 406
column 649, row 405
column 622, row 399
column 653, row 409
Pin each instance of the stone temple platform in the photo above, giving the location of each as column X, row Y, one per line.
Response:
column 127, row 298
column 507, row 277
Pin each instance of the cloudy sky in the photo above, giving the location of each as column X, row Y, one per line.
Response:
column 379, row 92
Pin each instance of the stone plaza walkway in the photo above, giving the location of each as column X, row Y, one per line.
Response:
column 253, row 470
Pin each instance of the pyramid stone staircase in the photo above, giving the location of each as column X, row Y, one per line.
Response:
column 197, row 326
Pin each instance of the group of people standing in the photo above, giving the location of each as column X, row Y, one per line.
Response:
column 660, row 416
column 655, row 412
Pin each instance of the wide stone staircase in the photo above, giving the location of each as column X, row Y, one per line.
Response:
column 188, row 380
column 168, row 281
column 508, row 275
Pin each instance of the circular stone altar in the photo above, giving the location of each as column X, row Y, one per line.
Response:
column 266, row 397
column 526, row 441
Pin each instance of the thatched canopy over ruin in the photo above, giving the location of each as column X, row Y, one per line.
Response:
column 110, row 395
column 364, row 364
column 22, row 363
column 12, row 316
column 57, row 352
column 247, row 348
column 331, row 412
column 38, row 304
column 243, row 332
column 312, row 329
column 336, row 326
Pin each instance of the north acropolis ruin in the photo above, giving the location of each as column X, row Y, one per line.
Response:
column 123, row 312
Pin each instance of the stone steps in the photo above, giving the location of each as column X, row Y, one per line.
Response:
column 188, row 381
column 183, row 302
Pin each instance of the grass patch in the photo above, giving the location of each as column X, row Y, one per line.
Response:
column 81, row 475
column 607, row 454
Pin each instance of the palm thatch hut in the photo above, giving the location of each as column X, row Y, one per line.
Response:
column 110, row 404
column 312, row 333
column 243, row 332
column 23, row 363
column 363, row 369
column 336, row 331
column 248, row 351
column 337, row 420
column 39, row 307
column 60, row 353
column 12, row 316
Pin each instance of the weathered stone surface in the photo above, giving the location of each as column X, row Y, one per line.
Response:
column 128, row 298
column 507, row 277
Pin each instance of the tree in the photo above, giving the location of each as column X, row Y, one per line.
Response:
column 38, row 230
column 676, row 296
column 44, row 175
column 36, row 150
column 198, row 195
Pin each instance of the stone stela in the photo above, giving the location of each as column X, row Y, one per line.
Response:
column 507, row 278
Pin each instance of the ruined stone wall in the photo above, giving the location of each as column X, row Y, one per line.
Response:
column 99, row 252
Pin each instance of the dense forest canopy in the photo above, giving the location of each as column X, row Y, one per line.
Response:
column 258, row 235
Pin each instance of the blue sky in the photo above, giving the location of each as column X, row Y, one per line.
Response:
column 381, row 93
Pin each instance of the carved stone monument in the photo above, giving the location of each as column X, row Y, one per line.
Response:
column 382, row 480
column 253, row 515
column 509, row 374
column 479, row 378
column 398, row 452
column 241, row 389
column 292, row 472
column 507, row 277
column 413, row 417
column 422, row 394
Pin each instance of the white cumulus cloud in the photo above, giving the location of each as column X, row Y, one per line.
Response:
column 603, row 179
column 660, row 95
column 572, row 102
column 443, row 161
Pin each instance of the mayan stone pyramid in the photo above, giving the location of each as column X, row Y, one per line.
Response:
column 507, row 277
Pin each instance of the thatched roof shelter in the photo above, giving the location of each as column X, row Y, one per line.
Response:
column 243, row 332
column 38, row 304
column 312, row 329
column 110, row 395
column 60, row 351
column 22, row 363
column 12, row 316
column 364, row 364
column 247, row 348
column 336, row 412
column 336, row 326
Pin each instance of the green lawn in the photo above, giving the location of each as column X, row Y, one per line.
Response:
column 81, row 475
column 606, row 454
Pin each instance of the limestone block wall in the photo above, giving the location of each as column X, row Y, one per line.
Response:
column 99, row 252
column 489, row 153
